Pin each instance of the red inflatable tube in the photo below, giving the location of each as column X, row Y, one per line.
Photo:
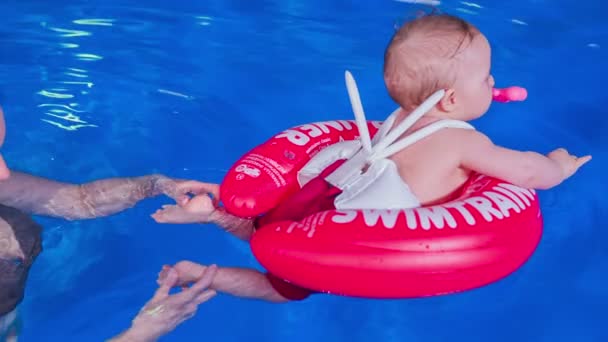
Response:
column 267, row 174
column 483, row 234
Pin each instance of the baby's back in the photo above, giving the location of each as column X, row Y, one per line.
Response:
column 431, row 166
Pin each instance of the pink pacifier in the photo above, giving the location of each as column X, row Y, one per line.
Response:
column 509, row 94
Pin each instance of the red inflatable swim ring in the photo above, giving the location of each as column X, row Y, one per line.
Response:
column 267, row 174
column 484, row 233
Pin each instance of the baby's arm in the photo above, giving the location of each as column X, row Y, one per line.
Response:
column 525, row 169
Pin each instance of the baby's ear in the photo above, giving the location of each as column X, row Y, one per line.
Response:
column 448, row 101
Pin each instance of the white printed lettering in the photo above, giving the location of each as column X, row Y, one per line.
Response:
column 410, row 219
column 388, row 217
column 502, row 202
column 322, row 217
column 313, row 148
column 294, row 137
column 438, row 215
column 344, row 216
column 324, row 126
column 525, row 194
column 348, row 125
column 312, row 130
column 269, row 166
column 509, row 194
column 292, row 226
column 311, row 227
column 463, row 211
column 484, row 206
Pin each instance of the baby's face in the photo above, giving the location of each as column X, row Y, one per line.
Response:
column 474, row 83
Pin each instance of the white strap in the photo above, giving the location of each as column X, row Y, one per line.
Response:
column 385, row 126
column 383, row 142
column 409, row 121
column 355, row 101
column 351, row 167
column 417, row 136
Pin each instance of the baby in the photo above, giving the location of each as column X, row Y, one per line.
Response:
column 427, row 54
column 445, row 52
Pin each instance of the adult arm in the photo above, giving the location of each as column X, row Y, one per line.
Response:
column 98, row 198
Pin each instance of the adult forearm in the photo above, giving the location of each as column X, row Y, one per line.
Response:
column 70, row 201
column 105, row 197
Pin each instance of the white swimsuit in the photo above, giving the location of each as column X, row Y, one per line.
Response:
column 380, row 186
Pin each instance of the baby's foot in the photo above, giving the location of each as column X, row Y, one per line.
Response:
column 174, row 214
column 197, row 210
column 164, row 273
column 187, row 272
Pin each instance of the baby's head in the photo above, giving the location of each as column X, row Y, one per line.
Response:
column 435, row 52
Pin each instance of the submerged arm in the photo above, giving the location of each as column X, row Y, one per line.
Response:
column 71, row 201
column 242, row 228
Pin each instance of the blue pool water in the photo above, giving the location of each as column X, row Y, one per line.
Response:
column 96, row 89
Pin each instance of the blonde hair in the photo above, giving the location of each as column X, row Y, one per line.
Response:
column 419, row 59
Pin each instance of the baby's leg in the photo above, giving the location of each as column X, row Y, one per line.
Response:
column 242, row 282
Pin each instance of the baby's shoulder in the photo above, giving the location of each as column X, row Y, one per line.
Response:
column 452, row 141
column 455, row 136
column 460, row 134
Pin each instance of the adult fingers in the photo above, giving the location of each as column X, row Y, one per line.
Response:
column 167, row 283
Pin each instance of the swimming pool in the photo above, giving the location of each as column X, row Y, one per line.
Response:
column 117, row 88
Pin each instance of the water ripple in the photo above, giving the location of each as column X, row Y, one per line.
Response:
column 55, row 95
column 67, row 128
column 70, row 33
column 68, row 117
column 70, row 81
column 69, row 45
column 62, row 106
column 95, row 22
column 88, row 56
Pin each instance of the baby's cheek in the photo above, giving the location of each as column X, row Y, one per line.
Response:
column 488, row 100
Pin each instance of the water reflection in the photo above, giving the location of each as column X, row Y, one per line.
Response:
column 88, row 56
column 55, row 95
column 69, row 45
column 76, row 81
column 471, row 4
column 67, row 127
column 519, row 22
column 95, row 22
column 70, row 33
column 175, row 93
column 466, row 10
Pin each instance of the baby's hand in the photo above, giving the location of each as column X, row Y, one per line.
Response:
column 569, row 163
column 196, row 210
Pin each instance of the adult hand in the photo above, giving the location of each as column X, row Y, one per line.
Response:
column 164, row 312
